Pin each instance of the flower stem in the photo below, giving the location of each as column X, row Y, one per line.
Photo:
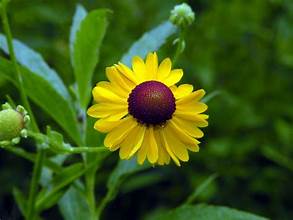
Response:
column 31, row 212
column 180, row 46
column 32, row 157
column 14, row 62
column 39, row 137
column 40, row 155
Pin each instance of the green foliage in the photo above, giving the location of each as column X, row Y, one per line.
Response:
column 20, row 200
column 43, row 94
column 239, row 51
column 206, row 212
column 34, row 62
column 73, row 205
column 85, row 49
column 150, row 41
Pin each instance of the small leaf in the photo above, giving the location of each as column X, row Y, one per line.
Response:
column 73, row 205
column 205, row 212
column 150, row 41
column 20, row 200
column 86, row 48
column 44, row 95
column 35, row 63
column 80, row 14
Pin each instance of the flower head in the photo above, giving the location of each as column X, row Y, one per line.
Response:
column 12, row 124
column 146, row 114
column 182, row 15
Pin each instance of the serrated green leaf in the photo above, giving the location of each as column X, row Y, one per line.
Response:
column 205, row 212
column 73, row 205
column 36, row 64
column 45, row 96
column 79, row 15
column 150, row 41
column 20, row 200
column 86, row 48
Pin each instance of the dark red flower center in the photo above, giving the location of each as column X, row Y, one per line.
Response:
column 151, row 102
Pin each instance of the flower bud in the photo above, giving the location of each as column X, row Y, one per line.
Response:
column 12, row 124
column 182, row 15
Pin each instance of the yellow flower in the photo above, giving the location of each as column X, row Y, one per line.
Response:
column 146, row 114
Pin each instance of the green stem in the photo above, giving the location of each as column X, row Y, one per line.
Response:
column 39, row 137
column 32, row 157
column 180, row 47
column 31, row 211
column 78, row 150
column 15, row 65
column 90, row 175
column 40, row 155
column 90, row 179
column 109, row 196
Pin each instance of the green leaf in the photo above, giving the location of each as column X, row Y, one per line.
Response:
column 73, row 205
column 205, row 212
column 20, row 200
column 122, row 170
column 65, row 177
column 150, row 41
column 45, row 96
column 80, row 14
column 86, row 48
column 35, row 63
column 201, row 188
column 61, row 180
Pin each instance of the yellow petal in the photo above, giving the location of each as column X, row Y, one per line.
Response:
column 103, row 110
column 103, row 125
column 163, row 156
column 118, row 80
column 142, row 152
column 196, row 106
column 198, row 119
column 194, row 96
column 164, row 69
column 132, row 142
column 102, row 93
column 188, row 126
column 167, row 147
column 182, row 135
column 174, row 77
column 182, row 90
column 152, row 65
column 177, row 147
column 127, row 72
column 139, row 68
column 117, row 135
column 152, row 153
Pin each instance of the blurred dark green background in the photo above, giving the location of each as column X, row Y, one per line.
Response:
column 241, row 48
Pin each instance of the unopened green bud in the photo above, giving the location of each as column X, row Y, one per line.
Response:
column 11, row 124
column 182, row 15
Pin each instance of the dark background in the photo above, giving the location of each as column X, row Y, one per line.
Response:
column 241, row 48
